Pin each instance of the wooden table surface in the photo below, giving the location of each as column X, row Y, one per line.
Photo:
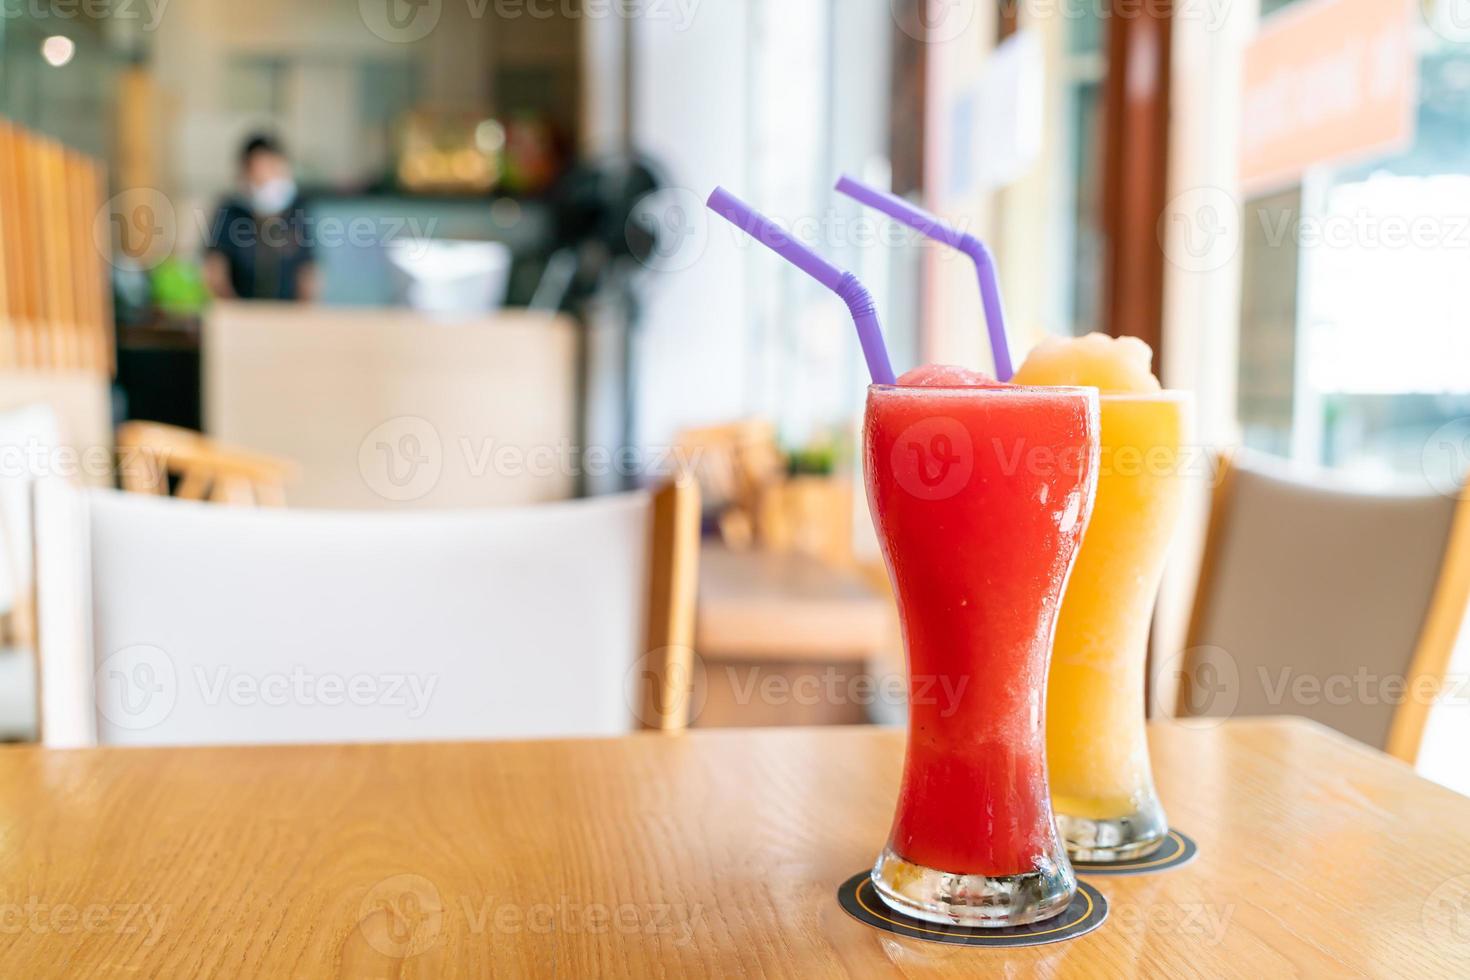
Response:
column 756, row 605
column 789, row 620
column 707, row 854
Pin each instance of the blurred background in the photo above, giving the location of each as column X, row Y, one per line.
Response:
column 465, row 260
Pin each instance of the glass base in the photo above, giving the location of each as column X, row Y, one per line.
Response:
column 974, row 900
column 1114, row 839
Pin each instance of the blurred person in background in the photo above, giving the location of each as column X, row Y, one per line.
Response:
column 260, row 244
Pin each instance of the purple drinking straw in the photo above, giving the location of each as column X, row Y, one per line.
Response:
column 844, row 284
column 927, row 224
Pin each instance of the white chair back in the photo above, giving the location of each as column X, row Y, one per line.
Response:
column 1321, row 600
column 209, row 624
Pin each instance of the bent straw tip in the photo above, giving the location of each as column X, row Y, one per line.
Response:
column 720, row 199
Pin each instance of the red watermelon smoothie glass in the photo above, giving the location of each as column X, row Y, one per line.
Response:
column 980, row 495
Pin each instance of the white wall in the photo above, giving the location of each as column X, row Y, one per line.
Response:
column 690, row 104
column 603, row 126
column 773, row 100
column 954, row 320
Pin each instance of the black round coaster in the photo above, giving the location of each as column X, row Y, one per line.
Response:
column 1087, row 911
column 1176, row 850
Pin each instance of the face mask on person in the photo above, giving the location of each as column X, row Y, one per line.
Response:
column 272, row 197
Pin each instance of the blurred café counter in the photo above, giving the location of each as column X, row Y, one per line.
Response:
column 396, row 408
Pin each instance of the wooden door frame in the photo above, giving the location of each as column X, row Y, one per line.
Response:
column 1136, row 110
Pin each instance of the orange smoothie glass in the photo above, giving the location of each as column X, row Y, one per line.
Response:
column 1101, row 778
column 1102, row 782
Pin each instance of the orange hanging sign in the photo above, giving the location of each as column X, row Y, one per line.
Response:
column 1327, row 81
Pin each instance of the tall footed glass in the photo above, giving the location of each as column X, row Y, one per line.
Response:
column 980, row 496
column 1102, row 783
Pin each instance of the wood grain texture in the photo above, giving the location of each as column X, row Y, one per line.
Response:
column 1135, row 168
column 703, row 854
column 55, row 291
column 673, row 583
column 26, row 284
column 56, row 253
column 1435, row 650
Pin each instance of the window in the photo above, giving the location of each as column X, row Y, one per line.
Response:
column 1354, row 342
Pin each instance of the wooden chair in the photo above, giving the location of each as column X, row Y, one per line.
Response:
column 736, row 464
column 171, row 622
column 742, row 475
column 1303, row 579
column 149, row 453
column 811, row 516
